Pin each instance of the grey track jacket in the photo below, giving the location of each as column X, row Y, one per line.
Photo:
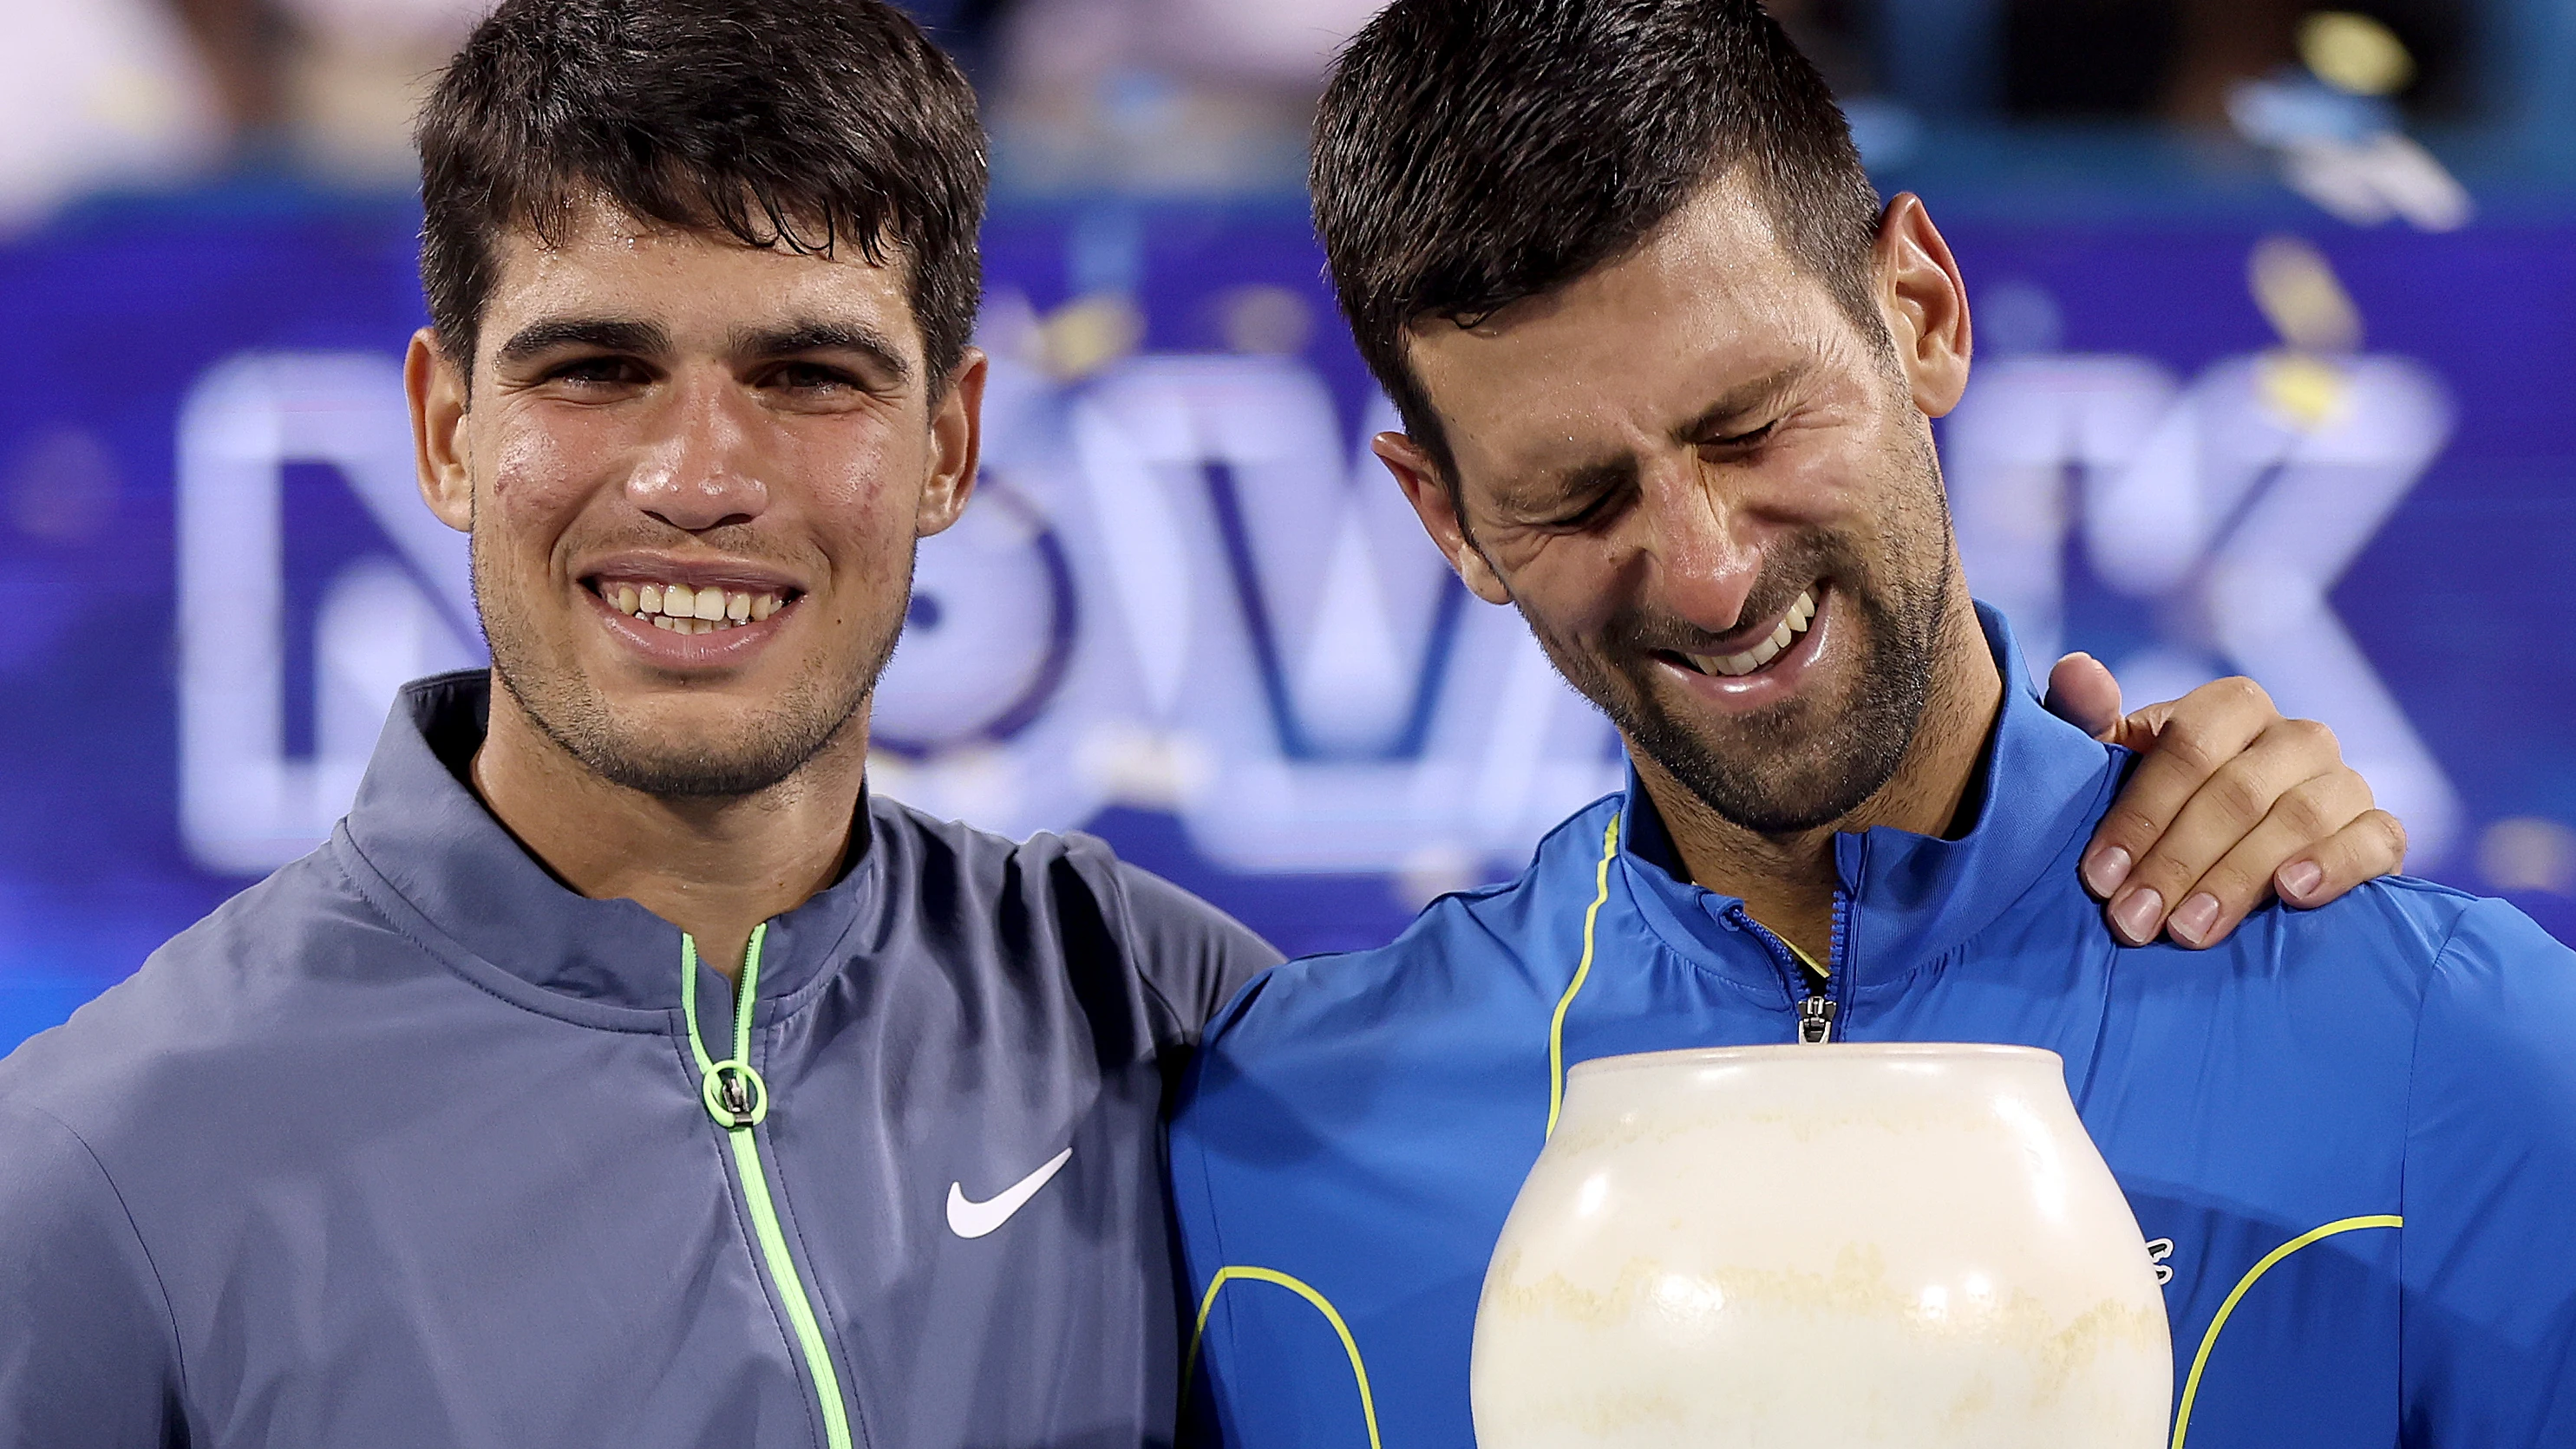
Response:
column 411, row 1145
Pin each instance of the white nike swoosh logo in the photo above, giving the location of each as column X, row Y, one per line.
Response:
column 975, row 1219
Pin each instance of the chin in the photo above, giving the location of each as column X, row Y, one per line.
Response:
column 691, row 743
column 1800, row 765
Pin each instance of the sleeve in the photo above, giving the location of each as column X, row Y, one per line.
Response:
column 2488, row 1262
column 1207, row 1410
column 88, row 1355
column 1195, row 956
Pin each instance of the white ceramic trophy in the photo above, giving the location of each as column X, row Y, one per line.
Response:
column 1826, row 1246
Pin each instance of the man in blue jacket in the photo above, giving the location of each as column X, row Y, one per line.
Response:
column 1667, row 370
column 622, row 1072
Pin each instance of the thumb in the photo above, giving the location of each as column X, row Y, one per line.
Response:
column 2082, row 692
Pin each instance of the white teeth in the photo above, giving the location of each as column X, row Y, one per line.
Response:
column 1730, row 666
column 686, row 610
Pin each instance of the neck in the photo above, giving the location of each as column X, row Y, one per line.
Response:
column 716, row 867
column 1787, row 882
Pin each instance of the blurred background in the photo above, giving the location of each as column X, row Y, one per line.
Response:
column 2272, row 305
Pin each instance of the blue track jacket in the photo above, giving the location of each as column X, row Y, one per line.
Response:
column 2349, row 1134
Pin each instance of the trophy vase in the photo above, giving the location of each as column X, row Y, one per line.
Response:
column 1827, row 1246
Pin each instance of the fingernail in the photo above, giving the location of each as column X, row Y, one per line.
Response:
column 2300, row 879
column 2191, row 925
column 2104, row 869
column 2137, row 914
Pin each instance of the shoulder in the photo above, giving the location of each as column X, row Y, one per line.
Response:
column 1468, row 953
column 951, row 867
column 1068, row 899
column 950, row 864
column 2500, row 1004
column 2416, row 934
column 2384, row 940
column 55, row 1189
column 233, row 985
column 2483, row 986
column 2400, row 914
column 89, row 1340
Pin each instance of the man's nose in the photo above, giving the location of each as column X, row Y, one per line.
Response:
column 1701, row 568
column 700, row 472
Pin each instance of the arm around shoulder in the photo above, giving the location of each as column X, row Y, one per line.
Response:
column 88, row 1354
column 2489, row 1260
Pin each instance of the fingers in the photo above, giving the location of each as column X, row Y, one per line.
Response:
column 2082, row 692
column 2373, row 845
column 2182, row 744
column 2317, row 809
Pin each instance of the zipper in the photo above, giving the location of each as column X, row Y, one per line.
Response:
column 1837, row 967
column 1817, row 1006
column 738, row 1100
column 1816, row 1018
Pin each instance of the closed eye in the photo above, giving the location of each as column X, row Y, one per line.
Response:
column 1601, row 506
column 1732, row 441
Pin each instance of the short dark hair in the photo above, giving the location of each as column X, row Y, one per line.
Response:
column 797, row 124
column 1470, row 153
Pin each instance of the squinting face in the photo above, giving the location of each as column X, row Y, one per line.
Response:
column 1715, row 501
column 695, row 473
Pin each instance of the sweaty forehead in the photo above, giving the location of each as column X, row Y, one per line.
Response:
column 694, row 283
column 1709, row 304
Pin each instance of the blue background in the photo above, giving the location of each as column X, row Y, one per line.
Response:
column 110, row 314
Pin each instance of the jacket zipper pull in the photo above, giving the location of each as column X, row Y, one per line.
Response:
column 1816, row 1019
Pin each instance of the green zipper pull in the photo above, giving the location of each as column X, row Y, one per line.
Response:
column 732, row 1089
column 738, row 1099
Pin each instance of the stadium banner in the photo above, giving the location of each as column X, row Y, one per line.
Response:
column 1187, row 610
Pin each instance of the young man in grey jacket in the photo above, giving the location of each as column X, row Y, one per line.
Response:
column 621, row 1071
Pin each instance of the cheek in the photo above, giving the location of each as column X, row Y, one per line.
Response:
column 863, row 489
column 1570, row 588
column 856, row 470
column 532, row 482
column 1832, row 476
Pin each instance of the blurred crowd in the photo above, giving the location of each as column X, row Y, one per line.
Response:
column 1151, row 94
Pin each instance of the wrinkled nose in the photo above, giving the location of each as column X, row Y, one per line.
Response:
column 699, row 472
column 1702, row 567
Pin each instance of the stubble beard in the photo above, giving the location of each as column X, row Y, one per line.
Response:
column 761, row 753
column 1807, row 762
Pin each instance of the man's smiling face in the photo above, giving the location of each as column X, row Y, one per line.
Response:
column 1713, row 497
column 741, row 444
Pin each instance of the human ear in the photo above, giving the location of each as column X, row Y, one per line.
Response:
column 437, row 394
column 1925, row 303
column 1437, row 507
column 956, row 439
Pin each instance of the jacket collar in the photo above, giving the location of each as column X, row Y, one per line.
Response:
column 1912, row 899
column 420, row 831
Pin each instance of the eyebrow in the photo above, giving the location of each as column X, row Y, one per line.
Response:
column 604, row 334
column 1585, row 479
column 1746, row 398
column 616, row 334
column 800, row 337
